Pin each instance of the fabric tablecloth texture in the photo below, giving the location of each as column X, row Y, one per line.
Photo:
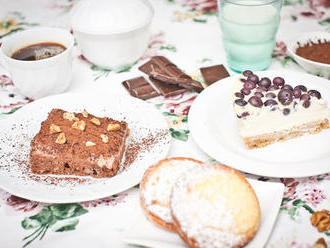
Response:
column 188, row 33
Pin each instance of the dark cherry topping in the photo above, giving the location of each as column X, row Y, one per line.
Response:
column 302, row 87
column 270, row 102
column 306, row 103
column 240, row 102
column 261, row 89
column 239, row 95
column 265, row 82
column 273, row 87
column 245, row 114
column 249, row 85
column 314, row 93
column 243, row 80
column 245, row 91
column 297, row 92
column 285, row 96
column 255, row 101
column 253, row 78
column 247, row 73
column 258, row 94
column 278, row 81
column 286, row 111
column 287, row 87
column 270, row 95
column 305, row 97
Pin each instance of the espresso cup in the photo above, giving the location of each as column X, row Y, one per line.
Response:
column 39, row 78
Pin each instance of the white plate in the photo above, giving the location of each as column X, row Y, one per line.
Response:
column 146, row 125
column 143, row 232
column 212, row 123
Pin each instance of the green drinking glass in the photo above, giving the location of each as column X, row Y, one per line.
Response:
column 248, row 32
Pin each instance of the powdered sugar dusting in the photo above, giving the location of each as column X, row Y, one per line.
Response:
column 159, row 185
column 17, row 131
column 202, row 214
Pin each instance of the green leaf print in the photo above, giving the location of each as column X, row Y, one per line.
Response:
column 170, row 114
column 325, row 22
column 10, row 32
column 171, row 48
column 13, row 110
column 200, row 20
column 100, row 72
column 159, row 105
column 296, row 206
column 58, row 217
column 66, row 225
column 179, row 134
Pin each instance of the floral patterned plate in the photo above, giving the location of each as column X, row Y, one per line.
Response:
column 143, row 232
column 213, row 126
column 149, row 141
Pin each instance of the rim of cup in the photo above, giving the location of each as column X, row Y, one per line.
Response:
column 20, row 35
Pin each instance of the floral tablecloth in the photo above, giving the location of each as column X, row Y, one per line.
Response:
column 187, row 32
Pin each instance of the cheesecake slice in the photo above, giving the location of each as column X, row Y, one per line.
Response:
column 269, row 110
column 78, row 144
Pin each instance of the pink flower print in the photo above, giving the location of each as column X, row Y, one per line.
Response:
column 5, row 80
column 21, row 204
column 319, row 3
column 107, row 201
column 280, row 50
column 156, row 41
column 206, row 6
column 290, row 190
column 313, row 196
column 181, row 108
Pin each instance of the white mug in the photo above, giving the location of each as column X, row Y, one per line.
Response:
column 39, row 78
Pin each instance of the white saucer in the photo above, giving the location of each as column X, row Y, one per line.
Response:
column 143, row 232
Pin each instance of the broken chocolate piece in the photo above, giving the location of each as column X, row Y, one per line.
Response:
column 140, row 88
column 162, row 69
column 167, row 89
column 214, row 73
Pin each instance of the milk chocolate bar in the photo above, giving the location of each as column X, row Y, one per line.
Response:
column 167, row 89
column 162, row 69
column 140, row 88
column 214, row 73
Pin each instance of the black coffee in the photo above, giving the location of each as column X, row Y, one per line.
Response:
column 38, row 51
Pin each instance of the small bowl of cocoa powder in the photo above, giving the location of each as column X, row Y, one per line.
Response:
column 312, row 52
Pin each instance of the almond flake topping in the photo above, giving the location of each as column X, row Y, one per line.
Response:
column 60, row 139
column 104, row 138
column 69, row 116
column 80, row 125
column 85, row 113
column 113, row 127
column 54, row 128
column 96, row 121
column 90, row 143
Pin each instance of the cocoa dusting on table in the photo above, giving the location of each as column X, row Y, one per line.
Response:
column 135, row 147
column 318, row 52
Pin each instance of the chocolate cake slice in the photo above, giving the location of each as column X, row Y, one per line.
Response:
column 78, row 144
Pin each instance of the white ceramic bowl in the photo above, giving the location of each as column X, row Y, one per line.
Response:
column 310, row 66
column 39, row 78
column 112, row 34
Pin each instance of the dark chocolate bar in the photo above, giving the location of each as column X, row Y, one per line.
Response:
column 162, row 69
column 140, row 88
column 167, row 89
column 214, row 73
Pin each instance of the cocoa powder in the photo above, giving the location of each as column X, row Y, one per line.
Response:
column 318, row 52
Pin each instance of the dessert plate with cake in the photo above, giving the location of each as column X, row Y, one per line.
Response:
column 79, row 147
column 272, row 123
